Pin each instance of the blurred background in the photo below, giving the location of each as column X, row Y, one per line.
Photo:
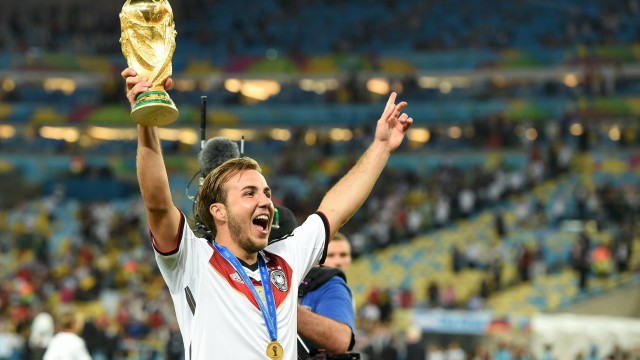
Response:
column 505, row 227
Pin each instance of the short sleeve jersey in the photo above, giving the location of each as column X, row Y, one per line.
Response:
column 218, row 315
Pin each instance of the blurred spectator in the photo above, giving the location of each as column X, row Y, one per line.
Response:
column 10, row 341
column 481, row 353
column 405, row 298
column 593, row 353
column 499, row 225
column 558, row 211
column 385, row 304
column 581, row 196
column 414, row 349
column 485, row 288
column 433, row 294
column 601, row 261
column 503, row 351
column 381, row 345
column 466, row 201
column 101, row 342
column 473, row 254
column 616, row 353
column 434, row 352
column 581, row 259
column 547, row 352
column 522, row 353
column 448, row 297
column 457, row 259
column 622, row 248
column 442, row 210
column 525, row 259
column 475, row 303
column 495, row 266
column 370, row 312
column 67, row 344
column 174, row 349
column 523, row 211
column 42, row 330
column 455, row 352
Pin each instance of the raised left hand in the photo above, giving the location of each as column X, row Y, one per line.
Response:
column 393, row 124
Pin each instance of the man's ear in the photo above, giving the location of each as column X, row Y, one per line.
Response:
column 218, row 211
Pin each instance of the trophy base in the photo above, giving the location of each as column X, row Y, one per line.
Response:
column 154, row 108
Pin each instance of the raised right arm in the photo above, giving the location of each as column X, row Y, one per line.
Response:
column 350, row 192
column 162, row 214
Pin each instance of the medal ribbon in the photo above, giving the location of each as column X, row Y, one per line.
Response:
column 268, row 311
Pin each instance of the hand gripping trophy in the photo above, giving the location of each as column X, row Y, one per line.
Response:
column 148, row 41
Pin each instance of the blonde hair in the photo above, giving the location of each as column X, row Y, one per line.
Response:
column 338, row 236
column 70, row 319
column 214, row 189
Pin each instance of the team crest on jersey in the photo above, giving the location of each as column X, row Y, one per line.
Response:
column 279, row 280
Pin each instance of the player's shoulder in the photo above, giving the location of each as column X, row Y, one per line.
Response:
column 311, row 224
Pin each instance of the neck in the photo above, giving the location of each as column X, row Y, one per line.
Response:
column 237, row 251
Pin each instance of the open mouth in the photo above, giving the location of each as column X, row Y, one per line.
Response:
column 262, row 222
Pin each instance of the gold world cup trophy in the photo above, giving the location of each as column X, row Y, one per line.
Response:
column 148, row 39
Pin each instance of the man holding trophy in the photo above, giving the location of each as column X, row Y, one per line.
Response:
column 235, row 298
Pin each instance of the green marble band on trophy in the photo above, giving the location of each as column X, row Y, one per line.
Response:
column 148, row 40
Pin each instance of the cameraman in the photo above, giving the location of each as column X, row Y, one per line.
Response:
column 326, row 316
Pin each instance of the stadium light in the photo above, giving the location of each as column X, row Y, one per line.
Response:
column 237, row 133
column 7, row 131
column 233, row 85
column 185, row 136
column 428, row 82
column 280, row 134
column 419, row 135
column 378, row 86
column 185, row 85
column 571, row 80
column 8, row 85
column 260, row 89
column 614, row 133
column 338, row 134
column 454, row 132
column 531, row 134
column 445, row 87
column 67, row 86
column 105, row 133
column 67, row 134
column 310, row 137
column 576, row 129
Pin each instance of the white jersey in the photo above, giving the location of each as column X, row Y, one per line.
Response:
column 217, row 313
column 66, row 346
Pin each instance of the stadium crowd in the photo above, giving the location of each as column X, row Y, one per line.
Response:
column 59, row 252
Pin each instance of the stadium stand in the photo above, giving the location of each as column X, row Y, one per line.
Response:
column 526, row 116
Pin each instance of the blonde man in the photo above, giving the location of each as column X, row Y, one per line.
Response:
column 67, row 344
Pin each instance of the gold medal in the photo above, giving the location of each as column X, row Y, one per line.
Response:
column 274, row 350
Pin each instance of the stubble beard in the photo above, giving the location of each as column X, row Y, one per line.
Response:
column 243, row 240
